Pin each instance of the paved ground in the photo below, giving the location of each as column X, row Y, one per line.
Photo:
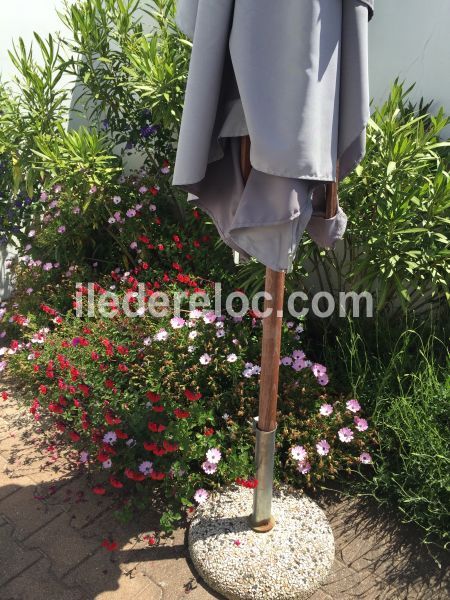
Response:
column 52, row 528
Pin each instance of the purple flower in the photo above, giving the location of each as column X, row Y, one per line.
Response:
column 353, row 405
column 365, row 458
column 323, row 379
column 318, row 369
column 148, row 130
column 231, row 358
column 361, row 424
column 326, row 410
column 177, row 322
column 214, row 455
column 209, row 467
column 299, row 453
column 61, row 229
column 161, row 336
column 323, row 447
column 201, row 496
column 304, row 467
column 345, row 434
column 286, row 361
column 146, row 467
column 110, row 437
column 205, row 359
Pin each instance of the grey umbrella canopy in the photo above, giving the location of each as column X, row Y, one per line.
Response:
column 293, row 75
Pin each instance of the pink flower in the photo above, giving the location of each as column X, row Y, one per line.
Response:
column 318, row 369
column 298, row 354
column 214, row 455
column 205, row 359
column 345, row 434
column 304, row 467
column 231, row 358
column 84, row 456
column 326, row 410
column 177, row 322
column 353, row 405
column 365, row 458
column 61, row 229
column 209, row 317
column 209, row 467
column 299, row 453
column 107, row 464
column 161, row 336
column 361, row 424
column 323, row 447
column 201, row 496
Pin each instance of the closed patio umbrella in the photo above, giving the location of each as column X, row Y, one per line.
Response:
column 275, row 113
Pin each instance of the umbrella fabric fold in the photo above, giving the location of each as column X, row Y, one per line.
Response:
column 294, row 77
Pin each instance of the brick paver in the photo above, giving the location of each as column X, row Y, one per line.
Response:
column 52, row 528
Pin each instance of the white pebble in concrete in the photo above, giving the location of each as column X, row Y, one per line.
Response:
column 288, row 563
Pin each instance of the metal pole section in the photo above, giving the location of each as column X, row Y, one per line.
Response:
column 261, row 518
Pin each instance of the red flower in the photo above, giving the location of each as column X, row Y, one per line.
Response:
column 102, row 456
column 99, row 490
column 157, row 408
column 170, row 447
column 43, row 389
column 111, row 419
column 150, row 446
column 192, row 396
column 156, row 427
column 115, row 482
column 181, row 414
column 121, row 434
column 74, row 436
column 247, row 483
column 109, row 545
column 153, row 397
column 208, row 431
column 134, row 475
column 157, row 475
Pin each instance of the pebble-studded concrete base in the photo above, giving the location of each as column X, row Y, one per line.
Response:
column 288, row 563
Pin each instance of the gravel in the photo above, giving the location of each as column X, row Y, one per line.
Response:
column 288, row 563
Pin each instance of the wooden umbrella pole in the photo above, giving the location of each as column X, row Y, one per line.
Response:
column 261, row 518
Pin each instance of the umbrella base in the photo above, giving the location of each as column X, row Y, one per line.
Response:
column 289, row 562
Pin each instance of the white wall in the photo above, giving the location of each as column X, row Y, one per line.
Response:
column 19, row 18
column 410, row 38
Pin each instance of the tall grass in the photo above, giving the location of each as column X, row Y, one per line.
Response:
column 401, row 374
